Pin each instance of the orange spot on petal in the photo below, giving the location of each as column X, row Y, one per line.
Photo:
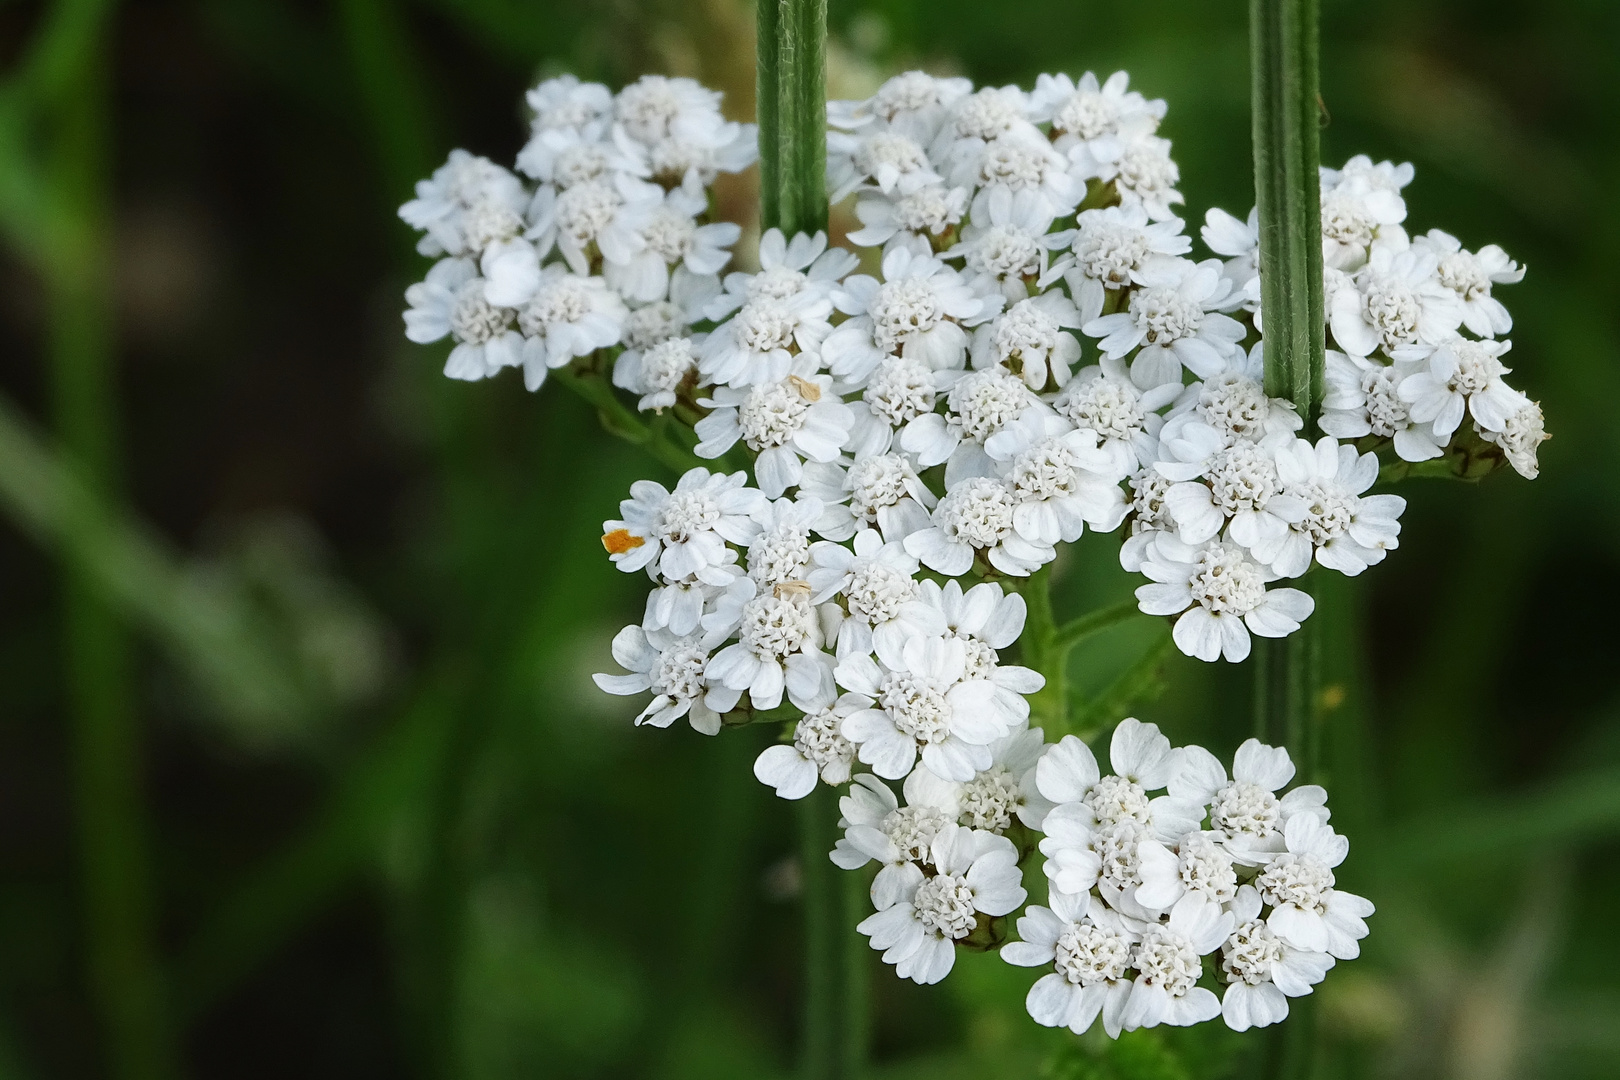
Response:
column 620, row 541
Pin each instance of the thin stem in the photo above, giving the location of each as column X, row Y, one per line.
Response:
column 113, row 834
column 618, row 419
column 1078, row 629
column 1284, row 58
column 1043, row 653
column 821, row 1055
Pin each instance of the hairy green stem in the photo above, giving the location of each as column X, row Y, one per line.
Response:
column 126, row 980
column 1042, row 651
column 1283, row 61
column 792, row 113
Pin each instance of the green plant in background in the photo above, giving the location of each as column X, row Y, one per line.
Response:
column 471, row 966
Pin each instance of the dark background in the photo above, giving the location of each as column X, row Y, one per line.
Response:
column 303, row 698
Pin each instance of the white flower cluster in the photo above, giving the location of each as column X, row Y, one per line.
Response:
column 1215, row 898
column 601, row 241
column 1416, row 336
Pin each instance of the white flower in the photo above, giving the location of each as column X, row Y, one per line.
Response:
column 1031, row 340
column 1061, row 480
column 818, row 751
column 998, row 794
column 980, row 404
column 983, row 115
column 1237, row 485
column 659, row 371
column 1460, row 375
column 977, row 515
column 977, row 875
column 566, row 156
column 451, row 301
column 469, row 203
column 1361, row 203
column 672, row 239
column 882, row 492
column 1105, row 399
column 602, row 218
column 878, row 583
column 672, row 667
column 1019, row 160
column 1263, row 971
column 785, row 271
column 1091, row 951
column 1111, row 249
column 779, row 638
column 912, row 102
column 1469, row 276
column 1174, row 319
column 898, row 392
column 897, row 217
column 1091, row 117
column 1239, row 241
column 679, row 606
column 1233, row 403
column 1363, row 398
column 1008, row 242
column 655, row 108
column 1307, row 912
column 780, row 551
column 764, row 340
column 878, row 829
column 783, row 422
column 1220, row 596
column 1169, row 961
column 682, row 534
column 1199, row 871
column 1245, row 813
column 1524, row 431
column 876, row 156
column 983, row 617
column 565, row 102
column 1322, row 502
column 918, row 310
column 1143, row 760
column 1397, row 300
column 1144, row 174
column 568, row 316
column 928, row 707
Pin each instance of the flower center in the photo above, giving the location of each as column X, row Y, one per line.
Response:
column 776, row 283
column 1116, row 846
column 978, row 512
column 874, row 483
column 1461, row 273
column 1166, row 315
column 817, row 738
column 988, row 113
column 1025, row 332
column 1165, row 958
column 916, row 707
column 908, row 93
column 583, row 211
column 1048, row 470
column 669, row 234
column 1087, row 114
column 1476, row 367
column 1225, row 581
column 646, row 109
column 1243, row 477
column 912, row 830
column 488, row 221
column 900, row 390
column 989, row 800
column 1015, row 163
column 1110, row 252
column 1088, row 954
column 1299, row 880
column 772, row 414
column 1005, row 251
column 579, row 164
column 1146, row 169
column 563, row 300
column 666, row 365
column 779, row 554
column 678, row 672
column 981, row 659
column 1386, row 412
column 1250, row 953
column 474, row 319
column 656, row 322
column 876, row 592
column 1329, row 509
column 888, row 148
column 987, row 401
column 765, row 325
column 1207, row 869
column 1148, row 489
column 1114, row 799
column 684, row 515
column 1233, row 405
column 1345, row 220
column 944, row 904
column 929, row 210
column 775, row 626
column 902, row 309
column 1107, row 406
column 1393, row 308
column 1246, row 809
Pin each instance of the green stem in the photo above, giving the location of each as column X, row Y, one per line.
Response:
column 1284, row 61
column 824, row 1050
column 1284, row 56
column 126, row 979
column 792, row 113
column 1042, row 652
column 618, row 419
column 1078, row 629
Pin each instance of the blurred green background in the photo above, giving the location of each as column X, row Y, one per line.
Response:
column 301, row 771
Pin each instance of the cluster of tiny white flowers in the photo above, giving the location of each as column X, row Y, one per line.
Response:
column 599, row 239
column 1214, row 898
column 1416, row 336
column 1035, row 355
